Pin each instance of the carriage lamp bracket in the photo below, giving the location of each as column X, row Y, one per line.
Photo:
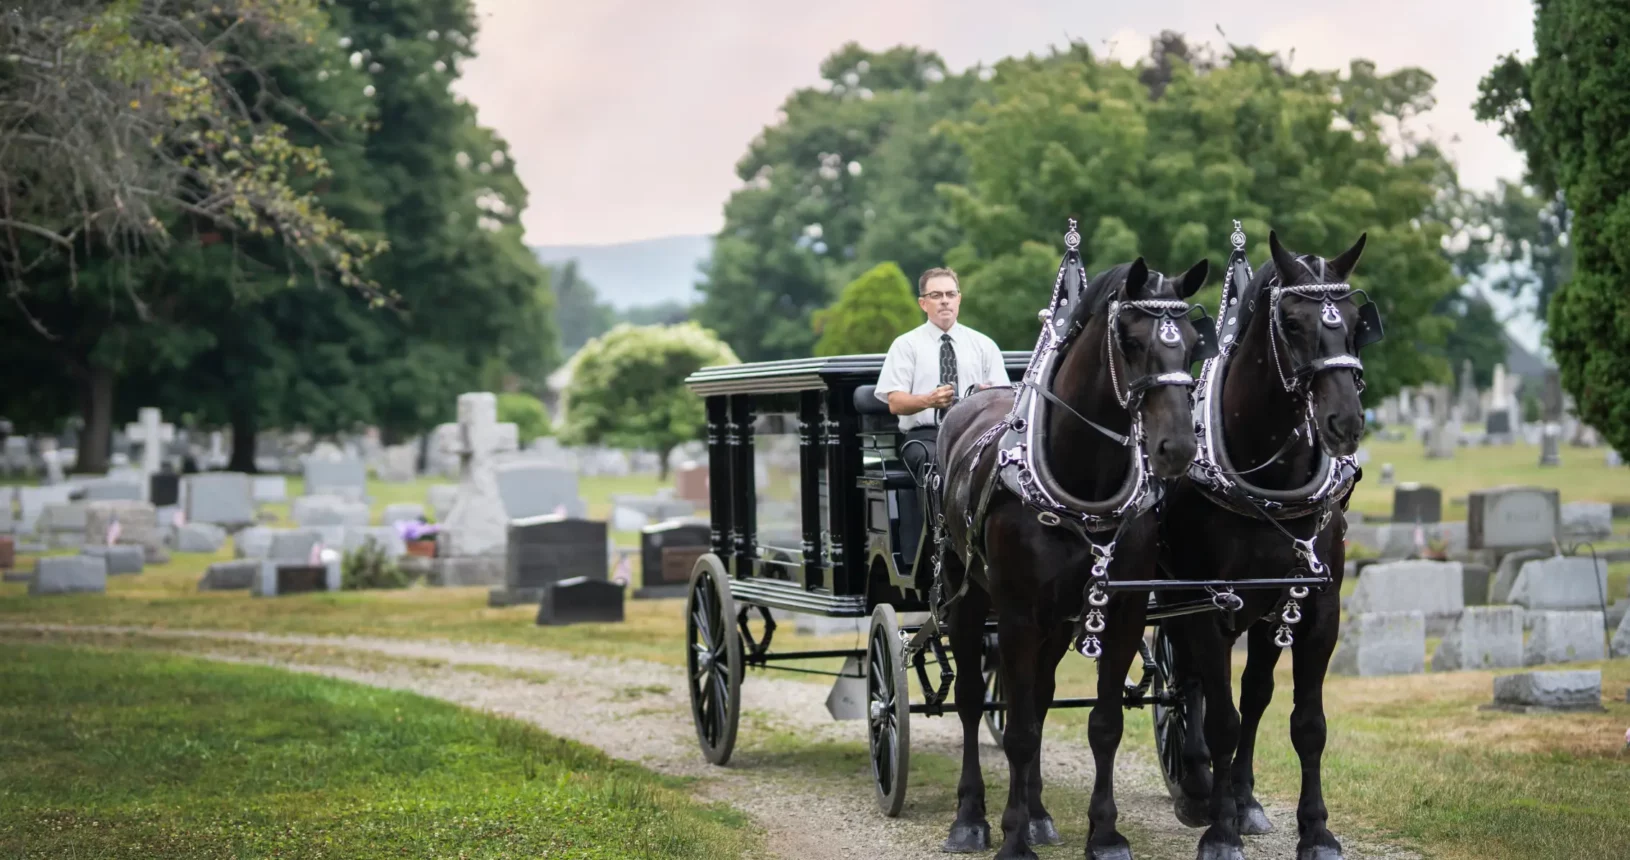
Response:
column 757, row 649
column 934, row 695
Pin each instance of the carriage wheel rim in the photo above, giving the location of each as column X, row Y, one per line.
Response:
column 709, row 665
column 883, row 727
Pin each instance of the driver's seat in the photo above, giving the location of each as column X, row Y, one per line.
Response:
column 875, row 417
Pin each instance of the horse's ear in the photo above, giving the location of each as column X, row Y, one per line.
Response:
column 1283, row 260
column 1136, row 277
column 1194, row 279
column 1344, row 264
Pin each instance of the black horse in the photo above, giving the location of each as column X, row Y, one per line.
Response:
column 1041, row 504
column 1279, row 418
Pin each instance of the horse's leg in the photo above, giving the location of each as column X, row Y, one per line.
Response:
column 1210, row 655
column 1315, row 641
column 1104, row 728
column 1255, row 692
column 1042, row 829
column 1020, row 648
column 970, row 832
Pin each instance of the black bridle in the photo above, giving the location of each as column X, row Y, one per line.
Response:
column 1300, row 378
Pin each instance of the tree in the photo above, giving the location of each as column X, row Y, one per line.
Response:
column 579, row 313
column 873, row 310
column 849, row 156
column 1159, row 166
column 1567, row 112
column 628, row 389
column 528, row 414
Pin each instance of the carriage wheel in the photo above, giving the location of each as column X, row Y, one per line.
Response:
column 888, row 717
column 1171, row 721
column 995, row 721
column 713, row 657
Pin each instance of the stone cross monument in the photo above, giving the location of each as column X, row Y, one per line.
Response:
column 152, row 434
column 477, row 525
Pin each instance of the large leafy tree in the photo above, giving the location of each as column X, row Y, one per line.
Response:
column 628, row 388
column 1160, row 165
column 1567, row 111
column 852, row 156
column 872, row 311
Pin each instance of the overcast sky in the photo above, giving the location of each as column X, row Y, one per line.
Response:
column 627, row 118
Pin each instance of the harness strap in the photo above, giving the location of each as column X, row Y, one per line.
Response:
column 1117, row 438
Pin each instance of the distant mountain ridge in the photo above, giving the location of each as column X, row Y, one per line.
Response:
column 632, row 274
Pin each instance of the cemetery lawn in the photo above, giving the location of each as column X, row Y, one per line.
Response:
column 121, row 754
column 1582, row 477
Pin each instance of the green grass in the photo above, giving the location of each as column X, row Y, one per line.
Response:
column 1581, row 477
column 127, row 755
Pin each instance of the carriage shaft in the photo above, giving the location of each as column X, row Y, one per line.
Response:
column 1190, row 584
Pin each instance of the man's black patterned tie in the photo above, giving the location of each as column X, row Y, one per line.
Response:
column 947, row 371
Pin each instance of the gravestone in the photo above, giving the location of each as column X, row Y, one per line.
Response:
column 411, row 512
column 535, row 489
column 386, row 536
column 69, row 574
column 253, row 542
column 1551, row 397
column 301, row 551
column 1548, row 691
column 137, row 524
column 32, row 502
column 1470, row 403
column 1620, row 646
column 1564, row 637
column 8, row 519
column 579, row 600
column 119, row 559
column 1433, row 588
column 477, row 525
column 1561, row 583
column 1388, row 474
column 8, row 552
column 1506, row 575
column 1498, row 426
column 345, row 478
column 223, row 498
column 109, row 490
column 230, row 575
column 541, row 550
column 270, row 489
column 1474, row 578
column 1444, row 434
column 200, row 537
column 328, row 511
column 668, row 554
column 63, row 525
column 152, row 434
column 1513, row 517
column 301, row 578
column 1381, row 643
column 691, row 484
column 399, row 463
column 1417, row 503
column 1482, row 637
column 164, row 489
column 1587, row 521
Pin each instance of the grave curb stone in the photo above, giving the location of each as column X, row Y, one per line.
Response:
column 236, row 575
column 1537, row 692
column 607, row 602
column 68, row 574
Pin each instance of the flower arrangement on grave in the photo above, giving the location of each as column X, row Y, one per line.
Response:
column 419, row 536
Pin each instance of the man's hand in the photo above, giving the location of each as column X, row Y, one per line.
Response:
column 902, row 403
column 941, row 397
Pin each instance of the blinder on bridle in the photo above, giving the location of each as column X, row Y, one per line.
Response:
column 1369, row 332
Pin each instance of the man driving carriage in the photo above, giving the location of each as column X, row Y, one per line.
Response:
column 924, row 372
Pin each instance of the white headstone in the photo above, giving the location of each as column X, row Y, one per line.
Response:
column 153, row 434
column 1482, row 637
column 1565, row 637
column 478, row 524
column 1434, row 588
column 1561, row 583
column 1381, row 643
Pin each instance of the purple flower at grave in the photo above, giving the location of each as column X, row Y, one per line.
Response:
column 412, row 530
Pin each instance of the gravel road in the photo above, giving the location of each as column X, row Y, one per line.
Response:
column 813, row 797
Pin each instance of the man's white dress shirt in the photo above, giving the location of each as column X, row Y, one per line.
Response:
column 913, row 366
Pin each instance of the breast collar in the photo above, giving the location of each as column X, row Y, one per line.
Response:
column 1211, row 472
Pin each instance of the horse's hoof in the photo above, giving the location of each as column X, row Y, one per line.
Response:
column 1255, row 821
column 968, row 839
column 1122, row 851
column 1318, row 852
column 1219, row 851
column 1191, row 812
column 1042, row 832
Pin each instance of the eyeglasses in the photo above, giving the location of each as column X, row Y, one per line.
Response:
column 936, row 296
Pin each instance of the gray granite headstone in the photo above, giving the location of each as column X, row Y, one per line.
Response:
column 270, row 488
column 32, row 502
column 1505, row 575
column 119, row 559
column 1565, row 637
column 223, row 498
column 292, row 544
column 230, row 575
column 109, row 489
column 541, row 550
column 347, row 478
column 1483, row 637
column 1417, row 503
column 329, row 511
column 536, row 489
column 1513, row 517
column 67, row 574
column 1579, row 690
column 200, row 537
column 1587, row 521
column 1382, row 643
column 1434, row 588
column 1562, row 583
column 253, row 542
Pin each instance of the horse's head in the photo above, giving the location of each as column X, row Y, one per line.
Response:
column 1152, row 343
column 1315, row 332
